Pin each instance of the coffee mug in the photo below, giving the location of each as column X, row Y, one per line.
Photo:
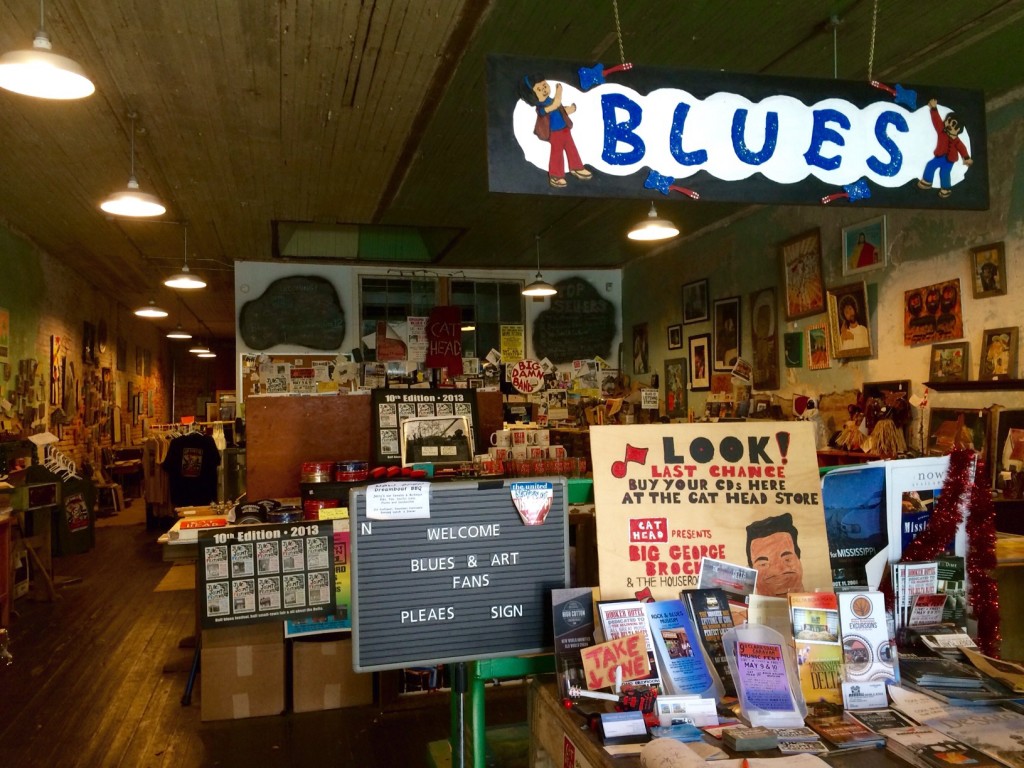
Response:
column 557, row 452
column 501, row 438
column 499, row 454
column 538, row 452
column 541, row 437
column 520, row 437
column 518, row 452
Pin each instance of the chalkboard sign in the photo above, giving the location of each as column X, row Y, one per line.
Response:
column 302, row 310
column 580, row 325
column 393, row 406
column 253, row 573
column 471, row 581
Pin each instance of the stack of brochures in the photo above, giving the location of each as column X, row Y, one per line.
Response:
column 951, row 681
column 743, row 739
column 926, row 747
column 843, row 732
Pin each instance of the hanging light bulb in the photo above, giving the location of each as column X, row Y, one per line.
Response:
column 539, row 287
column 652, row 228
column 178, row 333
column 151, row 310
column 198, row 348
column 132, row 201
column 40, row 72
column 185, row 280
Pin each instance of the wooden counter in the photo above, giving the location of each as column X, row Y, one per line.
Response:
column 557, row 738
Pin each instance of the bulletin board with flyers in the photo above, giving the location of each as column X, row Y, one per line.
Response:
column 253, row 573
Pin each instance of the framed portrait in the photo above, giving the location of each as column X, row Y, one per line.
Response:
column 695, row 301
column 764, row 330
column 848, row 321
column 864, row 247
column 952, row 428
column 949, row 362
column 998, row 354
column 640, row 354
column 933, row 313
column 1008, row 446
column 675, row 337
column 802, row 275
column 675, row 387
column 727, row 333
column 793, row 348
column 817, row 348
column 988, row 270
column 700, row 362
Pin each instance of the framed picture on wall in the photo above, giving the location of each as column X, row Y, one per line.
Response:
column 848, row 321
column 802, row 275
column 793, row 346
column 988, row 271
column 675, row 387
column 695, row 301
column 727, row 333
column 949, row 362
column 817, row 348
column 864, row 247
column 640, row 355
column 952, row 428
column 700, row 362
column 998, row 354
column 764, row 331
column 675, row 337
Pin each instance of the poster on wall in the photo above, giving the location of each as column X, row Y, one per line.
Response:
column 391, row 407
column 932, row 313
column 743, row 492
column 5, row 333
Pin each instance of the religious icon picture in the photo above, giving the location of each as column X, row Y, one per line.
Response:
column 848, row 321
column 864, row 246
column 803, row 275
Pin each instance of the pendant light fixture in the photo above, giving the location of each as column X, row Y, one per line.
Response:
column 40, row 72
column 207, row 355
column 539, row 287
column 185, row 280
column 198, row 348
column 178, row 333
column 132, row 201
column 652, row 228
column 151, row 310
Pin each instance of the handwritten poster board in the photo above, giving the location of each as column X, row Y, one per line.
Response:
column 253, row 573
column 670, row 494
column 393, row 406
column 458, row 577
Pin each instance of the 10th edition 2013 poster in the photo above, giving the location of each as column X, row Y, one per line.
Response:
column 671, row 494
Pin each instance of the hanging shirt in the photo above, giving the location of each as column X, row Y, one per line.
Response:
column 191, row 465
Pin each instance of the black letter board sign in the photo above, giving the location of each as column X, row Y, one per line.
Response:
column 253, row 573
column 469, row 581
column 393, row 406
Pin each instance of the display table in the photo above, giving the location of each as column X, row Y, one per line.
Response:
column 558, row 738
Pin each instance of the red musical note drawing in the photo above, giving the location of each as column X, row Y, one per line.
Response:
column 639, row 455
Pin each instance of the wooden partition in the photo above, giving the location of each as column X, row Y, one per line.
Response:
column 283, row 432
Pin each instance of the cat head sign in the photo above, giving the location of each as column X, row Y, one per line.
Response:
column 557, row 128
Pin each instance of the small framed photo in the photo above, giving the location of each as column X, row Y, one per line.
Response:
column 641, row 362
column 848, row 320
column 988, row 270
column 817, row 348
column 675, row 387
column 998, row 354
column 695, row 301
column 864, row 247
column 700, row 362
column 727, row 333
column 802, row 275
column 793, row 347
column 952, row 428
column 949, row 362
column 675, row 337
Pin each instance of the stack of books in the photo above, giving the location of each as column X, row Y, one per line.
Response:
column 926, row 747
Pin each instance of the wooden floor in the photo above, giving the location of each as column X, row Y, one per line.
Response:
column 98, row 678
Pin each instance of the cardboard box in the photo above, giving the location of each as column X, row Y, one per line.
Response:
column 322, row 676
column 243, row 672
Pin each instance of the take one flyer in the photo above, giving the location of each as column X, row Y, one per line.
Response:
column 762, row 675
column 684, row 665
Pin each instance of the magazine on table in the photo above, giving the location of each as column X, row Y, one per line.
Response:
column 685, row 667
column 572, row 613
column 913, row 488
column 712, row 617
column 925, row 747
column 819, row 654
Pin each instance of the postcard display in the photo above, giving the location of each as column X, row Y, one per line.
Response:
column 393, row 406
column 256, row 573
column 672, row 494
column 449, row 572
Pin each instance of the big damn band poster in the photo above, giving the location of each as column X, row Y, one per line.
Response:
column 670, row 494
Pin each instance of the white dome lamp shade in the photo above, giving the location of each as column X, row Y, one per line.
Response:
column 185, row 280
column 539, row 288
column 41, row 73
column 151, row 310
column 652, row 228
column 133, row 202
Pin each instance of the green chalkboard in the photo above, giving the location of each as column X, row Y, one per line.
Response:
column 302, row 310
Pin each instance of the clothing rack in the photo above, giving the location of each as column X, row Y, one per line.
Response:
column 183, row 429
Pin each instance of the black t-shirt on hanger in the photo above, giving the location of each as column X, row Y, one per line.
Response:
column 191, row 464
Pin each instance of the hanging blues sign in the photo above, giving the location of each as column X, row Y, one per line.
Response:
column 563, row 128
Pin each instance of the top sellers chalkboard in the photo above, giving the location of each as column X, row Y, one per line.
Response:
column 453, row 575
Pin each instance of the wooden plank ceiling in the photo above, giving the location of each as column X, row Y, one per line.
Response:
column 374, row 112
